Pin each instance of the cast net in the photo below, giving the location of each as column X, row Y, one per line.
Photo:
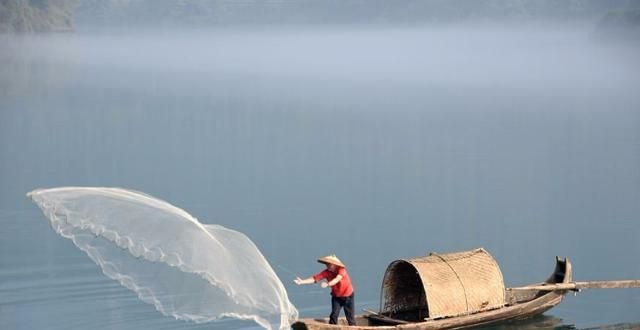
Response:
column 186, row 269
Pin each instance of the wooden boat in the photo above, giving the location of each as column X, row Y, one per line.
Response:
column 474, row 271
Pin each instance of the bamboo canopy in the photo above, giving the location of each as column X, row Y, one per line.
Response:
column 442, row 285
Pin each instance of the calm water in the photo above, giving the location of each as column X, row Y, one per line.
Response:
column 375, row 144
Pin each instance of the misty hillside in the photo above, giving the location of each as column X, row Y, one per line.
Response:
column 207, row 12
column 619, row 26
column 36, row 15
column 65, row 15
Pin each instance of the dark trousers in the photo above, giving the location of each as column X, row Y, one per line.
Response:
column 348, row 304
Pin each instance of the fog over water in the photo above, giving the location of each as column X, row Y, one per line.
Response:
column 374, row 143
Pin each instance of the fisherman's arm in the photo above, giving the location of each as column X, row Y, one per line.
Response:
column 308, row 280
column 331, row 283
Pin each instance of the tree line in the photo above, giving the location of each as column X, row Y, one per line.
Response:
column 62, row 15
column 36, row 15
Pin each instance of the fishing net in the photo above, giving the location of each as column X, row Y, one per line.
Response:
column 186, row 269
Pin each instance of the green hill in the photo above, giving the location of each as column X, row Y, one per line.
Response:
column 60, row 15
column 36, row 15
column 619, row 26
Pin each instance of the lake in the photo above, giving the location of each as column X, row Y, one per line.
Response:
column 374, row 143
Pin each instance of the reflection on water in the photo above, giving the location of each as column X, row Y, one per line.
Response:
column 375, row 145
column 541, row 322
column 619, row 326
column 547, row 322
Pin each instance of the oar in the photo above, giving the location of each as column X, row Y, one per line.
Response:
column 581, row 285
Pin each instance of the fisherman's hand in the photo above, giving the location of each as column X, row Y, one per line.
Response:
column 297, row 281
column 324, row 284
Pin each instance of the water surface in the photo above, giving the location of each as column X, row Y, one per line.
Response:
column 374, row 144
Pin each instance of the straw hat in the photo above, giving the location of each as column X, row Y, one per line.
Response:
column 331, row 259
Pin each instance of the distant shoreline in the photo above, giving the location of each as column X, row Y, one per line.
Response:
column 64, row 16
column 19, row 16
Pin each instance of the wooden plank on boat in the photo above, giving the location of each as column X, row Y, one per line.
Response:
column 383, row 319
column 581, row 285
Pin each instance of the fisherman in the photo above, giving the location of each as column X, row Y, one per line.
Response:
column 337, row 278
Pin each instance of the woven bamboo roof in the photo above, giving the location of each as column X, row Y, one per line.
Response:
column 443, row 285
